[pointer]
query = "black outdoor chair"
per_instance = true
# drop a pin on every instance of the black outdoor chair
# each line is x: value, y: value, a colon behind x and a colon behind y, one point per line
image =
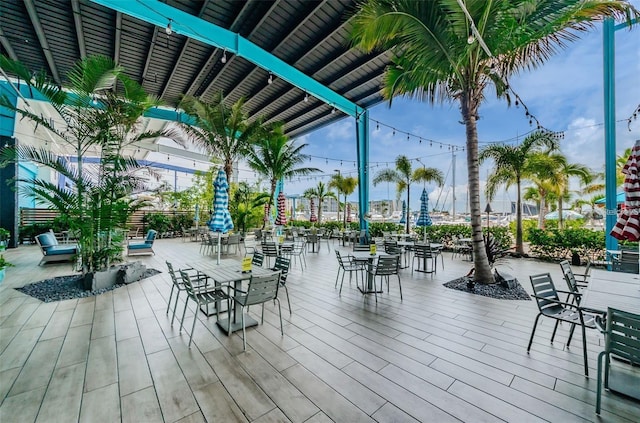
x: 198, y: 279
x: 549, y: 305
x: 269, y: 249
x: 385, y: 267
x: 203, y: 296
x: 622, y: 339
x: 257, y: 259
x: 282, y: 265
x: 261, y: 289
x: 347, y: 264
x: 424, y: 254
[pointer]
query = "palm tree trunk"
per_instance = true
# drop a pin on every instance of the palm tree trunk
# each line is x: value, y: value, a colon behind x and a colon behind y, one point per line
x: 519, y: 244
x: 481, y: 262
x: 560, y: 219
x: 542, y: 211
x: 408, y: 202
x: 319, y: 210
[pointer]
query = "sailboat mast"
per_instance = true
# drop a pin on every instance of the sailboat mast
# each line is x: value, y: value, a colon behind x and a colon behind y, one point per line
x: 453, y: 174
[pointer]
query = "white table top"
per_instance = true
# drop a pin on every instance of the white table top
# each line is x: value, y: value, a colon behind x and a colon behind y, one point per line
x: 612, y: 289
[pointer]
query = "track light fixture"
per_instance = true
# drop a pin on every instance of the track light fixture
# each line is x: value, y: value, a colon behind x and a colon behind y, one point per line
x: 270, y: 80
x: 169, y: 29
x: 224, y: 56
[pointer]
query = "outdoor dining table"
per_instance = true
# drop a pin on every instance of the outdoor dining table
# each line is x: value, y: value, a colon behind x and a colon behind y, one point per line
x: 620, y: 291
x: 369, y: 258
x: 225, y: 273
x: 612, y: 289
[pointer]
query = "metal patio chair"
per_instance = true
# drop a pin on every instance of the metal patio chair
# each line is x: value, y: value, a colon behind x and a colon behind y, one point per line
x: 622, y: 339
x: 261, y: 289
x: 549, y: 305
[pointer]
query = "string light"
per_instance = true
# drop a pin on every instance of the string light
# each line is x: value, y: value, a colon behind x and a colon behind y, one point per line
x: 224, y: 56
x: 306, y: 97
x: 169, y: 29
x: 270, y: 80
x: 333, y: 111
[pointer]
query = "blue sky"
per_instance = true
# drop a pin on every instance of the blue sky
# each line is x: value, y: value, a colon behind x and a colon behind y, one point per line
x: 565, y: 94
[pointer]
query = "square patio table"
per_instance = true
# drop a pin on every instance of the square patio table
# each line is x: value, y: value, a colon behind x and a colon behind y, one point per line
x: 369, y: 258
x: 227, y: 272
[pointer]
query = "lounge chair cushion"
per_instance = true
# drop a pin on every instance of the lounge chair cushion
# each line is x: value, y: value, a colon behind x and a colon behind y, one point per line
x: 56, y: 250
x: 140, y: 246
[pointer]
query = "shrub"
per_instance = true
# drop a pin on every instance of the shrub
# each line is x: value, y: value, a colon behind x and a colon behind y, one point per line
x: 555, y: 244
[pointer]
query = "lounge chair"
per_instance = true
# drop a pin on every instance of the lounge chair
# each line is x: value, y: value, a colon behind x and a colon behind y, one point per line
x: 142, y: 247
x: 52, y: 251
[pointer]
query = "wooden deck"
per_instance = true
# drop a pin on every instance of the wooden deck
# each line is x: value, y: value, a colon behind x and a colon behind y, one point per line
x: 440, y: 355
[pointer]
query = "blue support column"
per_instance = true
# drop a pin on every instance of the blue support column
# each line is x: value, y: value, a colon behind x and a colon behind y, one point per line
x: 8, y: 174
x: 362, y: 128
x: 610, y: 131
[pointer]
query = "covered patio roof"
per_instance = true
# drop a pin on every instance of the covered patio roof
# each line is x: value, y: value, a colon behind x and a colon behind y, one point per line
x: 303, y: 46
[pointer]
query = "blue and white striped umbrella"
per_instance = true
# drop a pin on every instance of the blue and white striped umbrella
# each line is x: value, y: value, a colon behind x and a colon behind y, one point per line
x: 403, y: 219
x: 424, y: 219
x: 221, y: 219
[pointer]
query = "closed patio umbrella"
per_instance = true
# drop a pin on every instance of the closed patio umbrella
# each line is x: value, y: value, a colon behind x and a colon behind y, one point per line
x: 281, y: 218
x: 403, y: 219
x: 221, y: 218
x: 313, y: 218
x: 266, y: 212
x: 424, y: 219
x: 348, y: 213
x: 628, y: 225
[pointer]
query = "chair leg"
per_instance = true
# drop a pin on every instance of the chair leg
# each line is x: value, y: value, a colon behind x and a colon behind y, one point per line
x: 244, y: 333
x: 286, y: 291
x: 280, y: 313
x: 173, y: 286
x: 573, y: 327
x: 337, y: 276
x: 184, y: 312
x: 599, y: 386
x: 533, y: 332
x: 555, y: 328
x: 342, y: 281
x: 193, y: 327
x: 175, y: 306
x: 584, y: 351
x: 400, y: 285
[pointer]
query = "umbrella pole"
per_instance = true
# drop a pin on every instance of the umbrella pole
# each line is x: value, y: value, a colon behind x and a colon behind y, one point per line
x: 219, y: 242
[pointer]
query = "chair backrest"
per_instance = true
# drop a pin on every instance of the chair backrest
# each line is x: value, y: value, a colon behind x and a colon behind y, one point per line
x: 151, y: 236
x: 359, y: 247
x: 388, y: 265
x: 312, y: 238
x: 422, y: 251
x: 269, y: 249
x: 257, y: 259
x: 622, y: 335
x: 545, y: 294
x: 172, y: 273
x: 282, y: 264
x: 263, y: 288
x: 339, y: 257
x: 569, y: 277
x: 186, y: 280
x: 46, y: 240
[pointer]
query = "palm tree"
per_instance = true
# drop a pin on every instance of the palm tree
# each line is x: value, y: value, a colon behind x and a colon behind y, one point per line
x: 222, y: 131
x: 510, y: 164
x: 320, y: 192
x: 345, y: 185
x: 442, y: 50
x: 565, y: 172
x: 276, y: 158
x: 403, y: 176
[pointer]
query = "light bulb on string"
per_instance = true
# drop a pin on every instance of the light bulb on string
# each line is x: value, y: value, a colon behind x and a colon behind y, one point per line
x: 169, y: 29
x: 270, y: 80
x: 224, y: 56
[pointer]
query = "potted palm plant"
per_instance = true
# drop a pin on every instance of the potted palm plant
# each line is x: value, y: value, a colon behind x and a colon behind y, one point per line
x: 4, y: 238
x: 3, y: 265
